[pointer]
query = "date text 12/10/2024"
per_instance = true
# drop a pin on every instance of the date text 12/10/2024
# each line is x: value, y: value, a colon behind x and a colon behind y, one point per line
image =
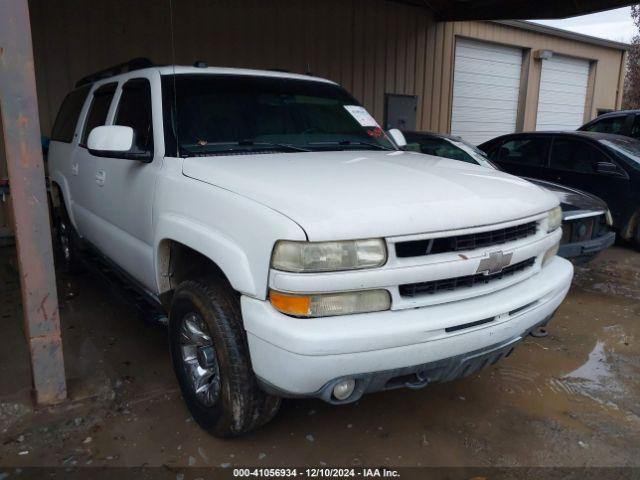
x: 315, y: 473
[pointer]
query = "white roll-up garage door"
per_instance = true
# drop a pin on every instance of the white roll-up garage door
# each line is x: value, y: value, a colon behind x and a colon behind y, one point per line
x: 563, y: 93
x: 486, y: 87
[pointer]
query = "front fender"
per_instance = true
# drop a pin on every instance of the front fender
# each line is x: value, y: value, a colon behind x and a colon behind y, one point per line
x: 234, y: 232
x: 211, y: 243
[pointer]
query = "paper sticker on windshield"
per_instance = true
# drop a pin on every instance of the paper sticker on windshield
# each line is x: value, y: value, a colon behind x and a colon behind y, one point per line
x: 361, y: 115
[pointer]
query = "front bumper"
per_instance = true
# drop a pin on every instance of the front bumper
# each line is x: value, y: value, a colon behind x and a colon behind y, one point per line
x: 306, y: 357
x: 588, y: 248
x: 417, y: 376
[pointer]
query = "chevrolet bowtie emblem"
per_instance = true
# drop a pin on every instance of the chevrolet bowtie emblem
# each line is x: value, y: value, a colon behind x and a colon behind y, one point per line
x: 495, y: 263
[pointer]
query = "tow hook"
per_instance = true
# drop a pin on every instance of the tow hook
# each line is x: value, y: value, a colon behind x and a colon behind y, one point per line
x: 539, y: 332
x: 421, y: 381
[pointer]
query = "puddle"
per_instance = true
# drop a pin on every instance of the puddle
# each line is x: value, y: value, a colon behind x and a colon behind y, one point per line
x: 618, y: 275
x: 595, y: 379
x: 519, y: 380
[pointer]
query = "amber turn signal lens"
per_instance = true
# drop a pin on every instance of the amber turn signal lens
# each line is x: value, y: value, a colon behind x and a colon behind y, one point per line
x: 330, y: 304
x: 291, y: 304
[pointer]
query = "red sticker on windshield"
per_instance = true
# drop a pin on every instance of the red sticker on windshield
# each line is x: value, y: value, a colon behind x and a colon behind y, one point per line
x: 375, y: 132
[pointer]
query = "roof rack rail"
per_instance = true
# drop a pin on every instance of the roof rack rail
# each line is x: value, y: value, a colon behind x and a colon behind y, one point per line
x: 133, y: 64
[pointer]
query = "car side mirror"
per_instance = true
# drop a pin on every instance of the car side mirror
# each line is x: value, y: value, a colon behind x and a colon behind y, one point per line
x: 110, y: 139
x: 398, y: 137
x: 607, y: 168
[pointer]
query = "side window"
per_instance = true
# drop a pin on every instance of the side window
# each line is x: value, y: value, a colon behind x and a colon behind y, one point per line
x: 635, y: 129
x: 67, y: 118
x: 608, y: 125
x: 99, y: 109
x: 575, y: 156
x: 525, y: 151
x: 134, y: 111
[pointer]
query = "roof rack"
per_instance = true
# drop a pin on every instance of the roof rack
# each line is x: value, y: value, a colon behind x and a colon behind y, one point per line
x: 133, y: 64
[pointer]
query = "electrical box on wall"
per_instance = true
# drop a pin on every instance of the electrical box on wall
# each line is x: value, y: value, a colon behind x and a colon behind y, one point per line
x: 400, y: 111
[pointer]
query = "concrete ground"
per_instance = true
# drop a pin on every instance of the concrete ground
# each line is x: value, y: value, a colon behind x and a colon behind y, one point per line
x: 570, y: 399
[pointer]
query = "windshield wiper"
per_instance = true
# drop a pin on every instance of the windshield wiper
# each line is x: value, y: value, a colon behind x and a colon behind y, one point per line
x: 285, y: 146
x: 348, y: 143
x: 230, y: 147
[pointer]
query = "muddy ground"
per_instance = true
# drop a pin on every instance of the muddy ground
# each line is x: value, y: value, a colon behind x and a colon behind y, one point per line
x: 570, y: 399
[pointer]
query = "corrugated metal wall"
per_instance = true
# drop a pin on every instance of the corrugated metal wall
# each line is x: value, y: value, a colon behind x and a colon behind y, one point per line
x: 372, y: 47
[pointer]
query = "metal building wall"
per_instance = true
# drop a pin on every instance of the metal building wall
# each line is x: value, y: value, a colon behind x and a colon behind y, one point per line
x: 372, y: 47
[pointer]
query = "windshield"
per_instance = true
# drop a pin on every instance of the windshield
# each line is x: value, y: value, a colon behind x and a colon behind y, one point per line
x: 448, y: 147
x: 628, y: 147
x: 234, y: 114
x: 477, y: 155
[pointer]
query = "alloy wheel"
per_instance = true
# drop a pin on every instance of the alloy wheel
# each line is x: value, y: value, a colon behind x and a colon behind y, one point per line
x: 199, y: 359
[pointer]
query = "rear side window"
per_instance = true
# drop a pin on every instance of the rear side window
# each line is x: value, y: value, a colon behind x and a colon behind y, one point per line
x: 608, y: 125
x: 67, y: 119
x: 575, y: 156
x: 525, y: 151
x: 99, y: 109
x: 134, y: 111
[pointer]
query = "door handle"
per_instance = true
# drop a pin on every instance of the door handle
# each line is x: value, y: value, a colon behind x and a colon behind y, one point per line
x: 74, y: 169
x: 101, y: 176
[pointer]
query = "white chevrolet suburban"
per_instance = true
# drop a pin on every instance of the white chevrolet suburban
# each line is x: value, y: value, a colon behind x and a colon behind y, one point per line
x: 297, y: 251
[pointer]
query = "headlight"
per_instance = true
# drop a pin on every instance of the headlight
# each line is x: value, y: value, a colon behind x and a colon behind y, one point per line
x: 609, y: 218
x: 328, y: 256
x: 330, y: 304
x: 552, y: 252
x: 554, y: 219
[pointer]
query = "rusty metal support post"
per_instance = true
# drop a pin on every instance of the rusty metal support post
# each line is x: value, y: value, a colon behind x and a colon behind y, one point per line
x: 19, y: 108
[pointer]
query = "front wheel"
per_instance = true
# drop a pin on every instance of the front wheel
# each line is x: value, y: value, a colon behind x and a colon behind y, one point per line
x: 211, y: 359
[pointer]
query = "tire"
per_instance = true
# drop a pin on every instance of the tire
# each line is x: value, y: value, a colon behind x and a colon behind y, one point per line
x: 67, y: 253
x: 210, y: 356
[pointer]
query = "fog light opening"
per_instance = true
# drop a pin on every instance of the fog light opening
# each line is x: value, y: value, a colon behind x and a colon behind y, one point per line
x: 344, y: 389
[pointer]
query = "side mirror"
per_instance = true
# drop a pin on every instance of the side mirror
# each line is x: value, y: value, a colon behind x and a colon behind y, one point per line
x: 109, y: 140
x: 607, y: 168
x: 398, y: 137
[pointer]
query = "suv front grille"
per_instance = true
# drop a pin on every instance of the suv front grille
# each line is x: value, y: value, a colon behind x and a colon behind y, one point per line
x: 468, y: 281
x: 416, y: 248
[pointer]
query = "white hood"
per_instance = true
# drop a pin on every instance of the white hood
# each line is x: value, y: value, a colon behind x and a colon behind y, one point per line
x: 358, y: 194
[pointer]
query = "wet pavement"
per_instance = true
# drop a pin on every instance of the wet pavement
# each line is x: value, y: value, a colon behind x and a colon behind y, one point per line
x: 569, y: 399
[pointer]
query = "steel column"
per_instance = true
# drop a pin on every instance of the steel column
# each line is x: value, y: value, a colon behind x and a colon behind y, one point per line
x: 19, y: 108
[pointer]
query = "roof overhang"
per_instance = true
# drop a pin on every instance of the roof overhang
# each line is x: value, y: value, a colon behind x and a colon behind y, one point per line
x: 452, y: 10
x: 558, y: 32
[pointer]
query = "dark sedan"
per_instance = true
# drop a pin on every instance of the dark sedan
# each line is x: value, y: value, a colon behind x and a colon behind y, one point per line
x: 621, y: 122
x: 599, y: 163
x: 586, y: 230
